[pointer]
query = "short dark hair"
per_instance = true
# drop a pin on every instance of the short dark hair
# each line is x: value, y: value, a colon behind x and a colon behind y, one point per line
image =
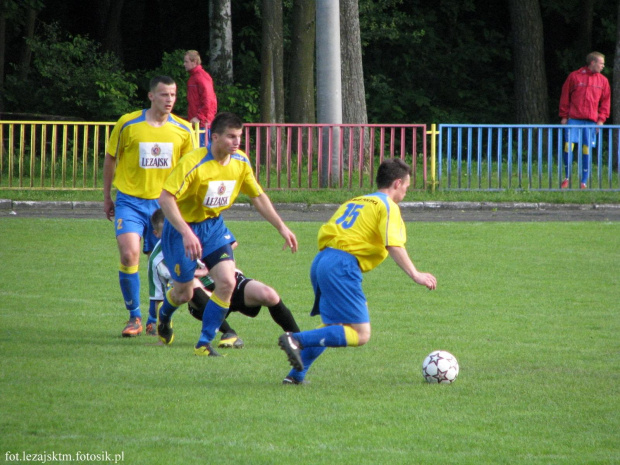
x: 390, y: 170
x: 225, y: 120
x: 167, y: 80
x: 157, y: 218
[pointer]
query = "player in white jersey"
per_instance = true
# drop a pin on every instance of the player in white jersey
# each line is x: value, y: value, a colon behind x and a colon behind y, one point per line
x: 248, y: 296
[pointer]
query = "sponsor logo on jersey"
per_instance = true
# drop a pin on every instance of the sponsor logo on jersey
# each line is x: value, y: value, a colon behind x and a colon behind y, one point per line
x: 219, y: 194
x: 156, y: 155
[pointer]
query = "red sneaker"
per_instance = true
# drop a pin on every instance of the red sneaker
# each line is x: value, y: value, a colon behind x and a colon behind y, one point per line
x: 133, y: 327
x: 564, y: 184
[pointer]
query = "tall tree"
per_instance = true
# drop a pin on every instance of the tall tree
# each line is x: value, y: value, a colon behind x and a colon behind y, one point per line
x: 585, y: 27
x: 301, y: 107
x: 220, y: 42
x: 531, y: 98
x: 26, y: 54
x: 353, y: 92
x: 108, y: 14
x: 616, y: 81
x: 272, y: 63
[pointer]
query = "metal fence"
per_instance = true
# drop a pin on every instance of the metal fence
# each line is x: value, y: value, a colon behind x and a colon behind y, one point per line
x: 490, y: 157
x: 70, y: 155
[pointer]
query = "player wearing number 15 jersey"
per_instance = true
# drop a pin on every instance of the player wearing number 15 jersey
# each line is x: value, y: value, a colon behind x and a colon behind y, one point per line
x: 360, y: 235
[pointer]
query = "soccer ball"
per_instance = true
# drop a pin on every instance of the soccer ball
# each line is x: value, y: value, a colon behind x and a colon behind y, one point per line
x: 440, y: 367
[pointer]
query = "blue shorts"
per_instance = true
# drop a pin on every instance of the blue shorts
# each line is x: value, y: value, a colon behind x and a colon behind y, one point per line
x: 212, y: 233
x: 585, y: 136
x: 337, y: 282
x: 133, y: 215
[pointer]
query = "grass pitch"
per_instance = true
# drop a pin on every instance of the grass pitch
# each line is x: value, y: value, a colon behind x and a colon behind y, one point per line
x: 529, y: 309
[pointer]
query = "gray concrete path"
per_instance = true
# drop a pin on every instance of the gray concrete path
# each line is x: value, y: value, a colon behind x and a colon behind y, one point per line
x: 412, y: 211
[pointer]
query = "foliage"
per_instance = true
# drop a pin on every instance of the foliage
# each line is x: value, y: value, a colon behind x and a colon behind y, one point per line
x: 240, y: 99
x: 445, y: 62
x: 237, y: 98
x: 71, y: 76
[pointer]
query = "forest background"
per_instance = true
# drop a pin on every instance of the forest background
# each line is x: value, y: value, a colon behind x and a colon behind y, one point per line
x: 413, y: 61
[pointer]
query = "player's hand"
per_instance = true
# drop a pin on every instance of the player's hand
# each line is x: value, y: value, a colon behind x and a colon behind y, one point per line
x: 290, y: 240
x: 192, y: 246
x: 108, y: 209
x: 427, y: 280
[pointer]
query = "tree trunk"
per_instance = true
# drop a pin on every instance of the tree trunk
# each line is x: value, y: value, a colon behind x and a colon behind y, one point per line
x: 109, y: 31
x: 220, y: 42
x: 301, y: 83
x: 24, y: 62
x: 353, y: 92
x: 585, y: 28
x: 2, y: 53
x: 272, y: 64
x: 531, y: 97
x: 616, y: 83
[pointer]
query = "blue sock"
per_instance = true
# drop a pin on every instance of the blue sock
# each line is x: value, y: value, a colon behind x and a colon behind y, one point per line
x: 130, y: 288
x: 308, y: 356
x: 327, y: 336
x: 167, y: 308
x: 215, y: 312
x: 566, y: 164
x: 152, y: 312
x: 585, y: 168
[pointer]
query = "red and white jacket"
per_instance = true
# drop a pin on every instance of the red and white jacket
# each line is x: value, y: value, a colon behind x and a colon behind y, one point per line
x: 201, y: 99
x: 586, y: 96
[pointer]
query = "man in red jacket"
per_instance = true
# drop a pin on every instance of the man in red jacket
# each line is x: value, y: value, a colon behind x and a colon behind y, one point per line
x: 585, y: 100
x: 201, y: 99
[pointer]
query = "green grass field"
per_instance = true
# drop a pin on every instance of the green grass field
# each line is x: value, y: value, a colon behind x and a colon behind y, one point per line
x: 531, y: 311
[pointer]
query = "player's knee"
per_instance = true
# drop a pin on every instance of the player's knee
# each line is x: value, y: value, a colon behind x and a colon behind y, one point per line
x: 224, y: 287
x: 363, y: 336
x: 129, y: 257
x: 268, y: 296
x: 182, y: 295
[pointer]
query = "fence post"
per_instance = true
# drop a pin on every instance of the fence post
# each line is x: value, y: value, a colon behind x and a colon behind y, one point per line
x: 433, y: 133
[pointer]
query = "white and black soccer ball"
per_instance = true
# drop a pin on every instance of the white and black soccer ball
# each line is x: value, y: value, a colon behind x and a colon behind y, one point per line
x: 440, y: 367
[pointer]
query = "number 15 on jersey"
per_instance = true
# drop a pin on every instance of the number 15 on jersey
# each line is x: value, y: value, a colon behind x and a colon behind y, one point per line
x: 349, y: 216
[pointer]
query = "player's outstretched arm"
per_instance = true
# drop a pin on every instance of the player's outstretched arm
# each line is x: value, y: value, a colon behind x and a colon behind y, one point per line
x: 263, y: 204
x: 401, y: 257
x: 168, y: 204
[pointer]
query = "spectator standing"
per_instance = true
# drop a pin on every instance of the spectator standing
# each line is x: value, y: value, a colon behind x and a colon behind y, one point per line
x: 585, y: 100
x: 201, y: 98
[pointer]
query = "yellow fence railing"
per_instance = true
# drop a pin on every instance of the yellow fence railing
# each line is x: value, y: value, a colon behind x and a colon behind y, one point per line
x: 69, y: 155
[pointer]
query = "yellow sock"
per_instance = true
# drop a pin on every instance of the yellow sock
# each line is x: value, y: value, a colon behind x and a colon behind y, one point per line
x: 351, y: 336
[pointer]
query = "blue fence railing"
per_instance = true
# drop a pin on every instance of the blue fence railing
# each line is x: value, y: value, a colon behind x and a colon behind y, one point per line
x: 488, y: 157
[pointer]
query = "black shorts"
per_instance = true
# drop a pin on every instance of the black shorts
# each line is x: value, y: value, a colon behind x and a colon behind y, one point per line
x: 237, y: 302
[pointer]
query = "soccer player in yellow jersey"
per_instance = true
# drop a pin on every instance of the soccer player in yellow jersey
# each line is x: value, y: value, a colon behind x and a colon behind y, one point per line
x: 360, y: 235
x: 204, y: 183
x: 143, y: 148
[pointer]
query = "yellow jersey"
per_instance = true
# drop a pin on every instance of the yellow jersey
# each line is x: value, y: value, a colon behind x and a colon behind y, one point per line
x: 146, y: 154
x: 364, y: 227
x: 204, y: 188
